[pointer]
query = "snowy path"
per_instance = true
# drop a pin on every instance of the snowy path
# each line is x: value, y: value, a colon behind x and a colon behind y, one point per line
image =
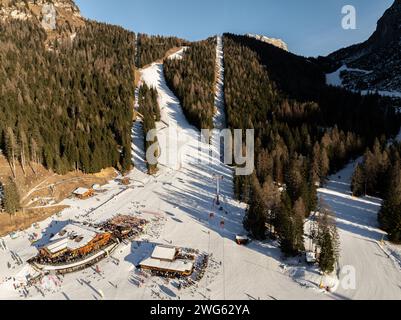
x: 138, y: 139
x: 138, y: 147
x: 219, y: 119
x: 377, y: 277
x: 179, y: 54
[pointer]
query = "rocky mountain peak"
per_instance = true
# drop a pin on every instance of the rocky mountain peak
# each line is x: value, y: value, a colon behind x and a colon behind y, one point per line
x: 273, y: 41
x: 51, y: 14
x: 374, y: 65
x: 388, y: 27
x: 59, y: 18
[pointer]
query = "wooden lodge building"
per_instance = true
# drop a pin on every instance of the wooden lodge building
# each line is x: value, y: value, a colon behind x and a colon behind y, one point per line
x: 74, y: 241
x: 164, y: 260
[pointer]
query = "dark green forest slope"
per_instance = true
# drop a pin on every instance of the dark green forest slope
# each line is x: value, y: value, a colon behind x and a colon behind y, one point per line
x: 304, y: 131
x: 379, y: 174
x: 192, y: 80
x: 71, y: 107
x: 152, y: 48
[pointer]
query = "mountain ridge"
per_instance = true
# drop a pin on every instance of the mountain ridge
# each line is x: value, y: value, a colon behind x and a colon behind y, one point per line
x: 273, y: 41
x: 375, y: 64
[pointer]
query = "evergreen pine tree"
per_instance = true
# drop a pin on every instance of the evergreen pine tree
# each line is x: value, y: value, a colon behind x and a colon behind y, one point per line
x: 358, y: 181
x: 290, y: 226
x: 11, y: 200
x: 390, y: 214
x: 328, y: 241
x: 327, y: 255
x: 256, y: 215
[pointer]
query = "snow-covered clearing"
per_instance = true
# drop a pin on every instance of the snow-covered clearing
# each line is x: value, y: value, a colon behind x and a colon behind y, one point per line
x: 391, y: 94
x: 138, y: 140
x: 179, y: 54
x: 377, y: 274
x: 334, y: 79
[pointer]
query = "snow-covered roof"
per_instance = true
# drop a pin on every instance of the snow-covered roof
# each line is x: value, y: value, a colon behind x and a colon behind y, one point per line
x: 164, y: 253
x: 72, y: 237
x: 81, y: 191
x: 176, y: 265
x: 310, y: 257
x: 57, y: 245
x: 242, y: 238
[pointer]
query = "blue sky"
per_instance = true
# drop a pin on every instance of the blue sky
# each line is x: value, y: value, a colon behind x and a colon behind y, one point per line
x: 310, y: 27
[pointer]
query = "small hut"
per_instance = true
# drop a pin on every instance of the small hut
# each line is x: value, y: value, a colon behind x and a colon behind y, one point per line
x: 125, y: 181
x: 242, y: 240
x: 83, y: 193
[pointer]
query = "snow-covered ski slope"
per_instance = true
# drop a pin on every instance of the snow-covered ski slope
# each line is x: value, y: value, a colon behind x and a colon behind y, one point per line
x: 377, y: 275
x: 138, y: 141
x: 177, y: 202
x: 220, y: 118
x: 245, y: 272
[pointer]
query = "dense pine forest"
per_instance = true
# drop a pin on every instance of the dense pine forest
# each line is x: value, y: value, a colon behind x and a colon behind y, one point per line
x: 70, y: 107
x: 192, y: 80
x: 304, y: 131
x: 153, y: 48
x: 379, y: 174
x: 150, y: 110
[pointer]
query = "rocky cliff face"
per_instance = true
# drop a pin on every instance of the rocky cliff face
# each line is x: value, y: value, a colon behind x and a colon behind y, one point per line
x: 51, y: 14
x: 273, y: 41
x: 376, y: 63
x: 59, y: 18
